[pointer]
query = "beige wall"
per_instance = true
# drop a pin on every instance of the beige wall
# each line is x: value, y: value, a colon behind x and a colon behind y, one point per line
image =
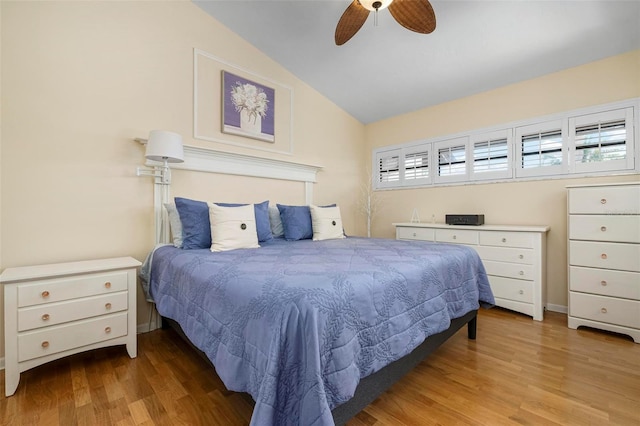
x: 81, y: 80
x: 540, y: 202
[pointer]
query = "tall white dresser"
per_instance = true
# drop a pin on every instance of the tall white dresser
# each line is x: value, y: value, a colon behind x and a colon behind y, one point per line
x: 604, y: 257
x: 52, y: 311
x: 514, y: 257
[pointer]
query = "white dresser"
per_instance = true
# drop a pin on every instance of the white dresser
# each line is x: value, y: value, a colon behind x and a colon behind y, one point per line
x: 52, y: 311
x: 514, y: 257
x: 604, y: 257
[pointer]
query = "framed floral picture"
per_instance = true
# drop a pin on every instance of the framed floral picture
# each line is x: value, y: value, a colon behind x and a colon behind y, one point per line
x: 248, y: 108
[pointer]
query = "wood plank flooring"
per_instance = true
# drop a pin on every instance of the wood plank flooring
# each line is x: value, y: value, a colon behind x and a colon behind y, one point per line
x: 518, y: 371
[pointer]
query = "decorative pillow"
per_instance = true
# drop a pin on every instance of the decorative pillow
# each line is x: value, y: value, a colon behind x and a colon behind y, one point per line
x: 196, y: 229
x: 276, y: 222
x: 326, y: 223
x: 296, y: 222
x: 175, y: 224
x: 232, y: 227
x: 262, y: 218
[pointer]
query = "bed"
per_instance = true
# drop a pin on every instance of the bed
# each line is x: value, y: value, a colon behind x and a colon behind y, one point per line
x: 315, y: 330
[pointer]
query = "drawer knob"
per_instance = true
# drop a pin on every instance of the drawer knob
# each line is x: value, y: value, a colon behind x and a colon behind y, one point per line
x: 603, y: 201
x: 603, y: 283
x: 603, y: 256
x: 45, y: 294
x: 504, y: 240
x: 415, y: 235
x: 454, y: 237
x: 603, y: 310
x: 521, y: 256
x: 107, y: 285
x: 107, y: 330
x: 107, y: 305
x: 521, y: 292
x: 45, y: 344
x: 45, y: 317
x: 521, y: 273
x: 603, y: 228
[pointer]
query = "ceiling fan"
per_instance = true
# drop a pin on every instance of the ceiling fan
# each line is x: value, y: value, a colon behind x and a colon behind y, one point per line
x: 414, y: 15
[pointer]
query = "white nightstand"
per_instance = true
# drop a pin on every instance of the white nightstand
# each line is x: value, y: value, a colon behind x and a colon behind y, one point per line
x: 52, y: 311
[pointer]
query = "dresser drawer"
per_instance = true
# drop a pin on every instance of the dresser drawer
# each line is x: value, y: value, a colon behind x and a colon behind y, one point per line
x: 605, y: 200
x: 506, y: 239
x: 510, y: 270
x: 416, y: 233
x: 60, y: 312
x: 624, y: 229
x: 55, y: 290
x: 500, y: 254
x: 605, y: 309
x: 458, y: 236
x: 620, y: 256
x: 50, y: 340
x: 605, y: 282
x: 508, y: 288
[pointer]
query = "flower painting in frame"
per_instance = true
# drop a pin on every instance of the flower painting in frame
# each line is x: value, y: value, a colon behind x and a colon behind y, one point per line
x: 248, y: 108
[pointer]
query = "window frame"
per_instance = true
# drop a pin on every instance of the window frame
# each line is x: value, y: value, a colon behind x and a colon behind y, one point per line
x: 565, y: 123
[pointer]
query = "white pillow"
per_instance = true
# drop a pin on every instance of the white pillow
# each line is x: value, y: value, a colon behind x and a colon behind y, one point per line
x: 276, y: 222
x: 326, y: 223
x: 232, y: 227
x: 175, y: 224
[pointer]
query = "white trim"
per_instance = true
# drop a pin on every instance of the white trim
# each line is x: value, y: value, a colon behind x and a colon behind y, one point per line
x: 557, y: 308
x: 214, y: 161
x: 197, y: 135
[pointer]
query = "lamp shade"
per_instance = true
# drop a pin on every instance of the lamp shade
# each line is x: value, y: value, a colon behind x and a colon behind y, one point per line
x: 164, y: 146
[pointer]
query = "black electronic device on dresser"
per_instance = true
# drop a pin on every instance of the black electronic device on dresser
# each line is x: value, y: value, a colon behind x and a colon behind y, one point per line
x: 464, y: 219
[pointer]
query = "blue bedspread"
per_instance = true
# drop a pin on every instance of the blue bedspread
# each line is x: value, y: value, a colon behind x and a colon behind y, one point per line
x: 297, y: 324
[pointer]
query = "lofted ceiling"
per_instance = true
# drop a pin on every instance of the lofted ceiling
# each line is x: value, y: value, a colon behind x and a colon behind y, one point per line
x: 478, y: 45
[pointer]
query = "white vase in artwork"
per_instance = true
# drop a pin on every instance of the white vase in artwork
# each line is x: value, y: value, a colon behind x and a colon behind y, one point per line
x: 250, y: 123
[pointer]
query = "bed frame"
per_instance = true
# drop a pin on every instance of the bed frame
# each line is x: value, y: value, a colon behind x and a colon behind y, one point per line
x: 377, y: 383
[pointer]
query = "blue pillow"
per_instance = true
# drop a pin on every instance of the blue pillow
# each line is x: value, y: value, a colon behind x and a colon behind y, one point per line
x: 262, y: 219
x: 196, y: 229
x: 296, y: 222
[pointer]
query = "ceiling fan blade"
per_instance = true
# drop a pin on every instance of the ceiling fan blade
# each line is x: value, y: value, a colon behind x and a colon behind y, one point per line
x: 414, y: 15
x: 351, y: 21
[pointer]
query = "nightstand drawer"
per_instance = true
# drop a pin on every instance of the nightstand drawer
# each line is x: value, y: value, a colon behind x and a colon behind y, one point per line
x: 606, y: 200
x: 624, y: 257
x: 60, y: 312
x: 458, y: 236
x: 50, y: 340
x: 623, y: 229
x: 55, y: 290
x: 506, y: 239
x: 508, y: 288
x: 605, y: 309
x: 509, y: 270
x: 503, y: 254
x: 605, y: 282
x: 416, y: 233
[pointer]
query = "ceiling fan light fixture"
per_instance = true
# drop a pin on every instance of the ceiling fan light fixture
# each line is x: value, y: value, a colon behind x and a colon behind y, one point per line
x: 371, y: 4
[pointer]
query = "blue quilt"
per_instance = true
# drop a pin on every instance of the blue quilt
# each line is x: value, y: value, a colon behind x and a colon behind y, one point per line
x: 296, y: 324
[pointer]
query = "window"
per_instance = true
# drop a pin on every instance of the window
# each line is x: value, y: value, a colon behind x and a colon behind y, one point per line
x: 601, y: 141
x: 416, y: 166
x: 492, y: 155
x: 541, y: 149
x: 581, y: 142
x: 388, y: 169
x: 452, y: 160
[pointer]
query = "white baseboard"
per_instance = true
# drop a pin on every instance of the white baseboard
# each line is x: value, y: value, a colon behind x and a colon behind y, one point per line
x: 557, y: 308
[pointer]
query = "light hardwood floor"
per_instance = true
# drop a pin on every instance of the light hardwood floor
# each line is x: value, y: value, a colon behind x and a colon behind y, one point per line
x: 518, y: 371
